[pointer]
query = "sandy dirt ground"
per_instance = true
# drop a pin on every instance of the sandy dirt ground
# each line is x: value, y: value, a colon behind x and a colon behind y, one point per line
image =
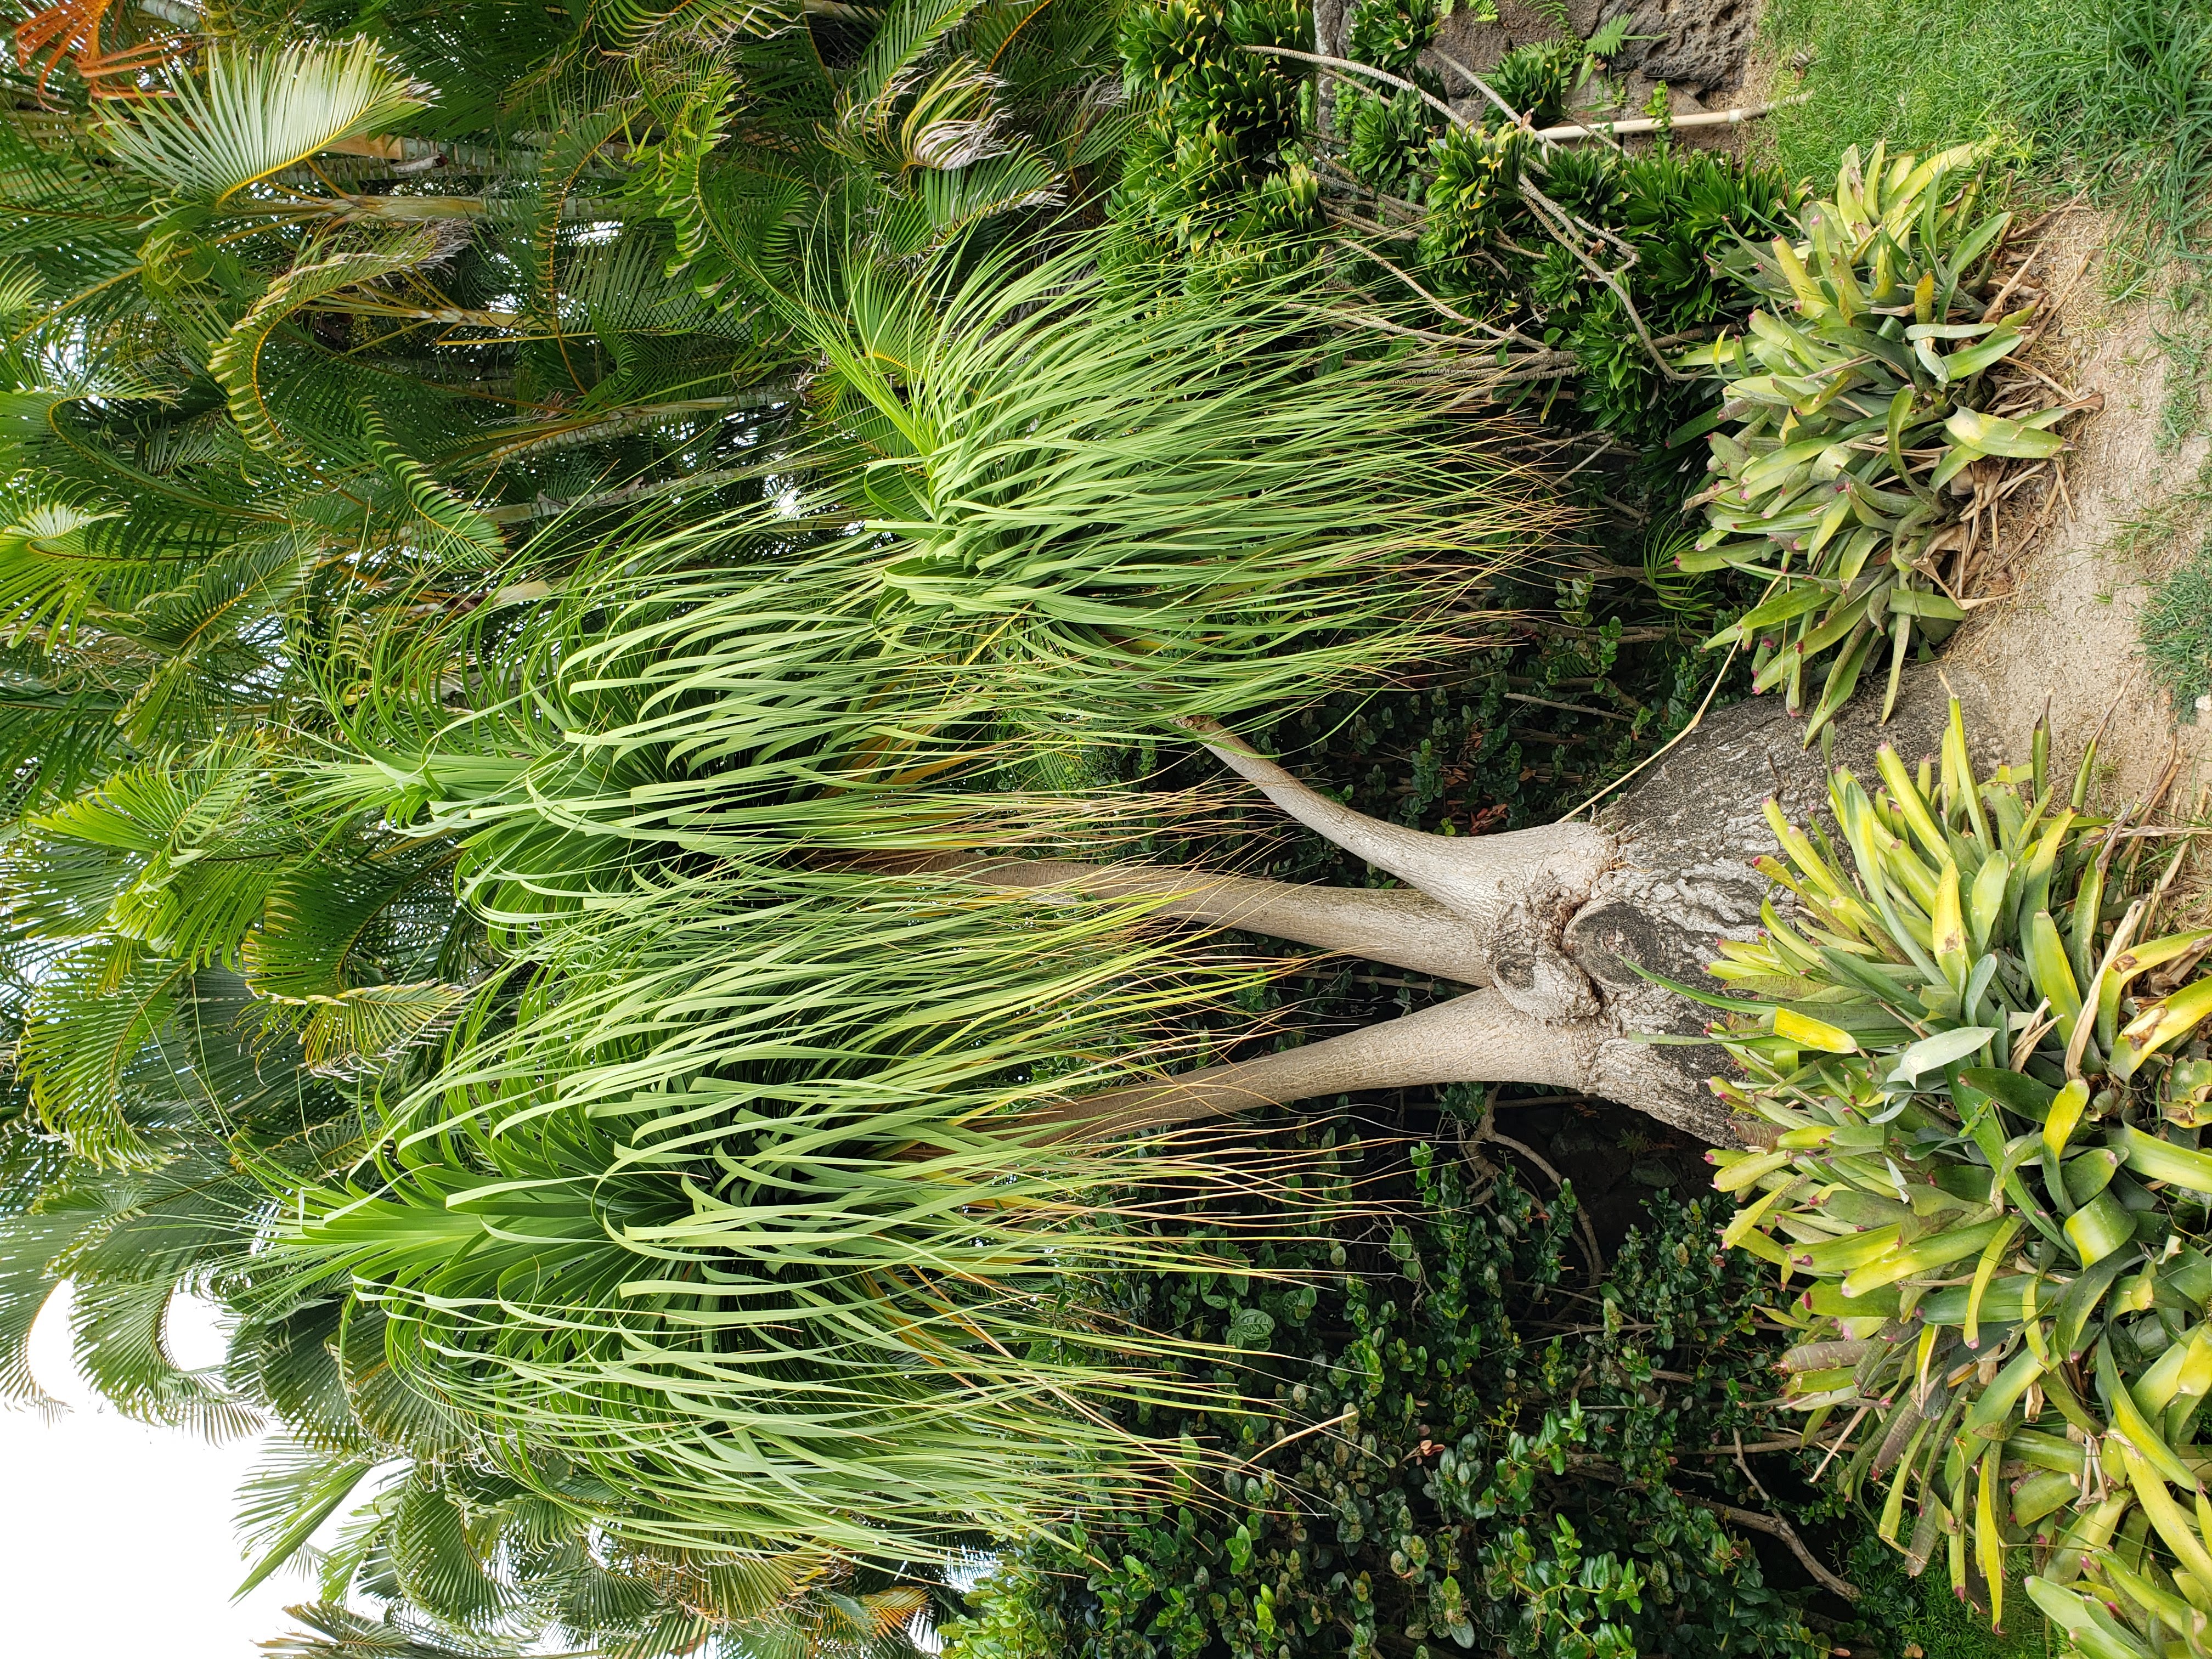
x: 2066, y: 629
x: 2075, y: 573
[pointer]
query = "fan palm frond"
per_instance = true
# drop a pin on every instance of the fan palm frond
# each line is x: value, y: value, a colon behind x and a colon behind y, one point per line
x: 338, y: 1633
x: 294, y: 1487
x: 120, y: 1329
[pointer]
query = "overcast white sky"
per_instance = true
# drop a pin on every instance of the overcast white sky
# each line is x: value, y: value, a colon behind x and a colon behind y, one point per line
x: 108, y: 1526
x: 115, y: 1537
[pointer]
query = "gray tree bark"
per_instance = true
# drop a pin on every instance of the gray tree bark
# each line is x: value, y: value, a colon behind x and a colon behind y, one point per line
x: 1400, y: 925
x: 1545, y: 922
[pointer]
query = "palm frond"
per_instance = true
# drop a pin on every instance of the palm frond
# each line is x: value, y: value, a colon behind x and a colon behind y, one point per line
x: 176, y: 852
x: 88, y: 1022
x: 120, y: 1328
x: 29, y: 1244
x: 196, y: 628
x: 236, y: 361
x: 49, y: 572
x: 294, y: 1487
x: 439, y: 1566
x: 342, y: 1634
x: 910, y: 30
x: 252, y: 114
x: 461, y: 534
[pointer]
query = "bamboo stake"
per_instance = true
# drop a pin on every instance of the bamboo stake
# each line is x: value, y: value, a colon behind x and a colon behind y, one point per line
x: 1717, y: 118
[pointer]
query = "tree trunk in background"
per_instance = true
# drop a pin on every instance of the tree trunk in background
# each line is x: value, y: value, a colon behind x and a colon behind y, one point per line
x: 1332, y: 28
x: 1545, y: 921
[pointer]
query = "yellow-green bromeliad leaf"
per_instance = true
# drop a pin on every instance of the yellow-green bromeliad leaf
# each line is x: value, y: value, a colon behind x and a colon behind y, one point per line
x: 1865, y: 378
x: 1988, y: 1226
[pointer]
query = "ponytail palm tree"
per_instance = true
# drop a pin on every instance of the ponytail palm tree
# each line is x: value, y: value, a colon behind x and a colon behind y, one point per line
x: 732, y: 1188
x: 739, y: 1184
x: 767, y: 1174
x: 627, y: 575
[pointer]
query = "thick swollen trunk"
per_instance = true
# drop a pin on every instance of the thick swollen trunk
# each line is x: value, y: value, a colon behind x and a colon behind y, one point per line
x: 1546, y: 922
x: 1512, y: 893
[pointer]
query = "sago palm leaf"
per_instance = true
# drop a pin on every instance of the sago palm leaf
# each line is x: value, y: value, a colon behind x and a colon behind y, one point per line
x: 251, y: 114
x: 175, y: 857
x: 88, y: 1023
x: 440, y: 1564
x: 29, y: 1243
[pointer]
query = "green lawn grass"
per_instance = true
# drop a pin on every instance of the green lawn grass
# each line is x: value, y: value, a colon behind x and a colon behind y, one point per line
x: 2110, y: 95
x: 1925, y: 1613
x: 1920, y: 73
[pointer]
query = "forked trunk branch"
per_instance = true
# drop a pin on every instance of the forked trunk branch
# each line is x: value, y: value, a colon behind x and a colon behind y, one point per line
x: 1482, y: 878
x: 1564, y: 917
x: 1516, y: 891
x: 1477, y: 1038
x: 1398, y: 926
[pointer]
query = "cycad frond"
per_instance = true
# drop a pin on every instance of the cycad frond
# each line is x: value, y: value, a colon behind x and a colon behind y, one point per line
x: 49, y: 570
x: 284, y: 1362
x: 251, y: 114
x: 200, y: 630
x: 462, y: 535
x: 910, y: 31
x: 388, y: 1409
x: 29, y: 1244
x: 178, y: 852
x: 637, y: 20
x: 236, y: 361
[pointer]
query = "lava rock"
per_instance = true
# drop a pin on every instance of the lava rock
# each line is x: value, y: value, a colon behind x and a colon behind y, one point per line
x: 1697, y: 46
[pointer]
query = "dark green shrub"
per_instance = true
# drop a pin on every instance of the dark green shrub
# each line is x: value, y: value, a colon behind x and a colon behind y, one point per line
x: 1473, y: 187
x: 1391, y: 33
x: 1897, y: 1612
x: 1223, y: 122
x: 1679, y: 212
x: 1449, y: 1448
x: 1217, y: 117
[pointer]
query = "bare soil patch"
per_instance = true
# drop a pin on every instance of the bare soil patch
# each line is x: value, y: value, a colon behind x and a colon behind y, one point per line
x: 2130, y: 511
